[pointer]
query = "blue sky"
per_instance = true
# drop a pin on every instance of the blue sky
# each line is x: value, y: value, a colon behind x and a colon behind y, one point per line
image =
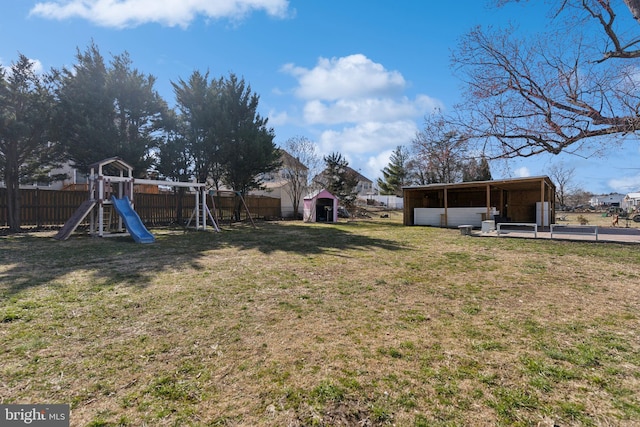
x: 355, y: 76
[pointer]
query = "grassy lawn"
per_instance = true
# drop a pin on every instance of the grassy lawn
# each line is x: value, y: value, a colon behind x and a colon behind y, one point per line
x: 357, y: 323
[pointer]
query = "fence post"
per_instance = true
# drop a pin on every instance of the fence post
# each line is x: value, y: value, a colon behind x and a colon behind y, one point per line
x: 37, y: 208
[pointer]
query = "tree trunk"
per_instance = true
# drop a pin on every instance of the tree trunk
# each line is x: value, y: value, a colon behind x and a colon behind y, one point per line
x: 13, y: 197
x: 237, y: 207
x: 179, y: 194
x: 296, y: 206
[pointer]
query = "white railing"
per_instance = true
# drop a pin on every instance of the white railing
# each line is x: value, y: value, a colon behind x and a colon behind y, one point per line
x: 582, y: 230
x: 517, y: 227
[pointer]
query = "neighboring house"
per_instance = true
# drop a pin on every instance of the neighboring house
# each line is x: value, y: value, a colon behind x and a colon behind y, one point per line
x: 278, y: 184
x: 74, y: 180
x: 77, y: 181
x: 631, y: 201
x: 364, y: 187
x: 606, y: 200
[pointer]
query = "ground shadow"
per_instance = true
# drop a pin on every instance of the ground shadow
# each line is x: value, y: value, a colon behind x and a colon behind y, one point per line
x: 35, y: 259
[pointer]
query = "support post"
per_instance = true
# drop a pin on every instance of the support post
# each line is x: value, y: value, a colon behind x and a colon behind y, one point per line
x: 203, y: 196
x: 488, y: 215
x: 197, y: 210
x: 100, y: 206
x: 446, y: 206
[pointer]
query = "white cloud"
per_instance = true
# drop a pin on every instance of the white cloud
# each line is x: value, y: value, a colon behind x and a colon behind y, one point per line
x: 353, y: 76
x: 360, y: 108
x: 278, y: 118
x: 522, y: 172
x: 625, y: 184
x: 130, y: 13
x: 370, y: 137
x: 376, y: 163
x: 37, y: 66
x: 367, y: 109
x: 354, y: 89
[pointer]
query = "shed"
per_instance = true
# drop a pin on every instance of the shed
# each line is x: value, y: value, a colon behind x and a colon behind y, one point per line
x: 321, y: 206
x: 522, y: 200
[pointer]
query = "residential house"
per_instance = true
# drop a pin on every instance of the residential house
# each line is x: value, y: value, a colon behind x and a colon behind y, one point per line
x: 278, y: 184
x: 631, y: 201
x: 607, y: 200
x: 364, y: 187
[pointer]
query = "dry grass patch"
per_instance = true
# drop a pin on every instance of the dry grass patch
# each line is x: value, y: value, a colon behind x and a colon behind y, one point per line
x: 358, y: 323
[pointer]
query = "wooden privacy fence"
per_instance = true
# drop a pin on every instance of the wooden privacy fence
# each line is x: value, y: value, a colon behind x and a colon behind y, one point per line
x: 52, y: 208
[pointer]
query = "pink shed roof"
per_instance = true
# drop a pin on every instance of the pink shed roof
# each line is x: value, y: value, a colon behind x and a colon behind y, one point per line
x: 321, y: 194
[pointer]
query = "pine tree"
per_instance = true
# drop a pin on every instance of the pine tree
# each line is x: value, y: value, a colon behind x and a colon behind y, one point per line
x: 107, y: 110
x: 25, y: 118
x: 474, y: 171
x: 485, y: 172
x: 339, y: 179
x: 395, y: 174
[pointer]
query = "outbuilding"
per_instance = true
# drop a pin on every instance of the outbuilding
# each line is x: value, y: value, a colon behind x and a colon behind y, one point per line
x: 518, y: 200
x: 321, y: 206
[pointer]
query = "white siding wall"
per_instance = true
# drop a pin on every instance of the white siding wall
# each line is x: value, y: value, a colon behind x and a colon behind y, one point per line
x: 427, y: 216
x: 455, y: 216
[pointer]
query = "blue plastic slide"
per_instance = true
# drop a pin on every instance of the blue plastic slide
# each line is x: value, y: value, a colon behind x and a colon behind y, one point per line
x: 132, y: 221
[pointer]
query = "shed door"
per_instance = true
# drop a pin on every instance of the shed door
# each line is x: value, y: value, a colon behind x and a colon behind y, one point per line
x: 324, y: 210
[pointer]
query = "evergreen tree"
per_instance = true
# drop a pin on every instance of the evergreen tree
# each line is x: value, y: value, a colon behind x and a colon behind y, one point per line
x: 107, y: 111
x: 174, y: 159
x: 139, y: 110
x: 26, y: 153
x: 228, y: 141
x: 197, y: 102
x: 476, y: 171
x: 395, y: 174
x: 339, y: 179
x: 485, y: 171
x: 247, y: 147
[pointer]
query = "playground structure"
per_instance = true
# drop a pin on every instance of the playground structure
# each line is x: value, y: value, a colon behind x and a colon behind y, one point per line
x: 109, y: 193
x: 219, y: 193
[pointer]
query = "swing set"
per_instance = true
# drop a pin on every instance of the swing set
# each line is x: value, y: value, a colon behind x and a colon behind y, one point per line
x: 111, y: 189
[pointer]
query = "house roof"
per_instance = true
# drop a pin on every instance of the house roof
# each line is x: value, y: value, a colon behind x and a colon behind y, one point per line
x: 359, y: 176
x: 292, y: 162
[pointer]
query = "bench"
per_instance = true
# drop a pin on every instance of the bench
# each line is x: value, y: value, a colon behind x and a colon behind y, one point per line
x: 465, y: 230
x: 582, y: 230
x: 520, y: 227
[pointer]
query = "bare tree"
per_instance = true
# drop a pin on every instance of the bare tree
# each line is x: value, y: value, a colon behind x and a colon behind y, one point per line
x: 299, y: 162
x: 440, y: 151
x: 562, y: 176
x: 578, y: 197
x: 566, y: 90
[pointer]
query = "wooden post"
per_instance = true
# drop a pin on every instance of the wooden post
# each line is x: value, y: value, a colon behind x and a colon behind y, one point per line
x: 542, y: 209
x: 446, y: 206
x: 488, y: 216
